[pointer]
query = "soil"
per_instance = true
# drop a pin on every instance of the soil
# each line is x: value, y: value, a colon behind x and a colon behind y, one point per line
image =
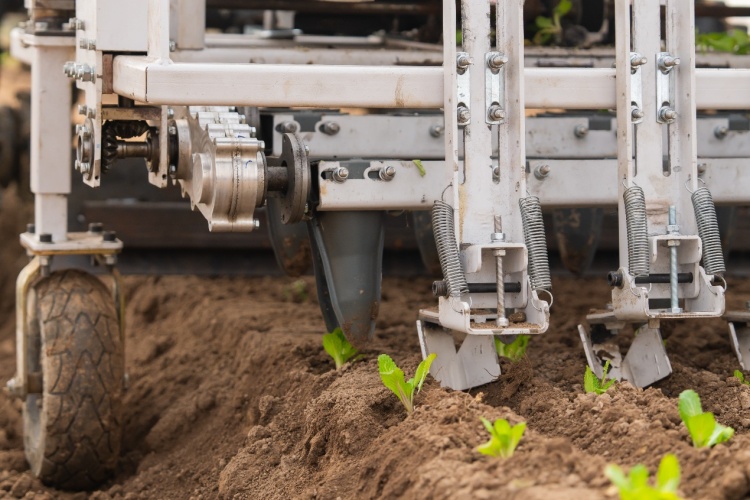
x: 231, y: 396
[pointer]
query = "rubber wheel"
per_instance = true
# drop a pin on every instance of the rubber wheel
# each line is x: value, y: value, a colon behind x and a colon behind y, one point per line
x: 73, y: 428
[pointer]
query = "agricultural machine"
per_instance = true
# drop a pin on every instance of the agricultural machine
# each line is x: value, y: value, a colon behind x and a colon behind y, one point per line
x: 326, y: 134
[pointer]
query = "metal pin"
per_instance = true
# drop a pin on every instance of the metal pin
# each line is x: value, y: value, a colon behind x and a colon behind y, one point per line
x: 499, y: 253
x: 673, y: 278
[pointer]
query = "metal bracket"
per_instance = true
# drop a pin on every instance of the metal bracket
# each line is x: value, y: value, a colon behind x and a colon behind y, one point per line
x: 494, y: 74
x: 463, y: 84
x: 739, y: 334
x: 665, y: 87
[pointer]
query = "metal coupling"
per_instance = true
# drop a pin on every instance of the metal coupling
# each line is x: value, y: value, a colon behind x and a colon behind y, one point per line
x: 330, y: 128
x: 667, y: 114
x: 667, y: 63
x: 340, y: 174
x: 464, y: 115
x: 542, y: 171
x: 581, y: 131
x: 387, y: 173
x: 496, y: 113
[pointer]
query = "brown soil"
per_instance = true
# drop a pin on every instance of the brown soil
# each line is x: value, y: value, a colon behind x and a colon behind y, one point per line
x: 232, y: 396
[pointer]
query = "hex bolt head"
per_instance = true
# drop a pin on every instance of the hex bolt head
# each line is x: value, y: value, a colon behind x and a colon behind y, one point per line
x: 330, y: 128
x: 287, y: 127
x: 581, y: 131
x: 96, y: 227
x: 75, y: 23
x: 85, y: 167
x: 667, y: 114
x: 637, y: 113
x: 45, y: 238
x: 30, y: 228
x: 542, y: 171
x: 109, y: 236
x: 340, y: 174
x: 496, y: 113
x: 83, y: 109
x: 170, y: 113
x: 497, y: 237
x: 497, y: 61
x: 463, y: 61
x: 387, y: 173
x: 172, y: 130
x: 69, y: 69
x: 464, y: 115
x: 721, y: 131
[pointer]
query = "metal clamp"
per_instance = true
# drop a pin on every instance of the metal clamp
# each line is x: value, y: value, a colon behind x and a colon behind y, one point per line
x: 463, y: 82
x: 494, y: 74
x: 636, y: 87
x: 665, y: 87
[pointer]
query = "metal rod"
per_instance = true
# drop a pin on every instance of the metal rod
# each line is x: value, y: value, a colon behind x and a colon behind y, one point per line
x: 329, y: 8
x: 440, y: 288
x: 673, y: 277
x: 499, y: 253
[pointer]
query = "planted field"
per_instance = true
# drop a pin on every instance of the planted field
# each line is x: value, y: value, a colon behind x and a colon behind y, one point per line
x: 231, y: 395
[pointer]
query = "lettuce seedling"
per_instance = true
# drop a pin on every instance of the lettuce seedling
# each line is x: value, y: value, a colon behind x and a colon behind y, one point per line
x: 393, y: 378
x: 703, y: 428
x: 592, y: 383
x: 514, y: 351
x: 549, y: 29
x: 503, y: 438
x: 741, y: 376
x: 635, y: 485
x: 338, y: 347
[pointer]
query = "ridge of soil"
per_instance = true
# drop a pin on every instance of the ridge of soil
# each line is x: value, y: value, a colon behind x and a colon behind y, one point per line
x: 232, y: 396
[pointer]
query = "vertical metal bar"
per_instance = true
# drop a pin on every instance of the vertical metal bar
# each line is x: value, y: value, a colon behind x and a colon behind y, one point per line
x: 673, y: 279
x: 158, y: 30
x: 50, y: 139
x: 625, y: 163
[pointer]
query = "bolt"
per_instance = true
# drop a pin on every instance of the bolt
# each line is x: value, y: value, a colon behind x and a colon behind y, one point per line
x: 496, y: 171
x: 702, y: 167
x: 581, y: 131
x: 83, y: 109
x: 172, y: 170
x: 76, y: 23
x: 666, y: 63
x: 172, y: 130
x: 96, y: 227
x: 637, y: 60
x: 463, y: 61
x: 85, y: 73
x: 109, y: 236
x: 172, y: 45
x: 41, y: 26
x: 387, y: 173
x: 636, y: 113
x: 87, y: 44
x: 170, y: 113
x: 85, y: 167
x: 340, y: 174
x: 83, y: 131
x: 667, y: 114
x: 69, y: 69
x: 330, y: 128
x: 307, y: 149
x: 542, y: 171
x: 30, y: 228
x: 287, y: 127
x: 496, y: 113
x: 242, y: 118
x: 496, y: 61
x: 90, y: 113
x: 437, y: 130
x: 497, y: 237
x: 45, y: 238
x: 464, y: 115
x: 721, y: 131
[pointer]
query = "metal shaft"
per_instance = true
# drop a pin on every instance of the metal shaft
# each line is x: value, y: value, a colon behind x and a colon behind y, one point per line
x: 501, y: 320
x: 673, y: 275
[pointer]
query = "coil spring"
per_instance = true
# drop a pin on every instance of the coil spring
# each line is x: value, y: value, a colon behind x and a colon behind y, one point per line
x: 447, y: 247
x: 708, y: 230
x: 639, y: 259
x: 536, y: 242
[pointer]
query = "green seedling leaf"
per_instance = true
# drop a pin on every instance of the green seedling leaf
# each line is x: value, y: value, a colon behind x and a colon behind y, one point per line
x: 543, y: 22
x: 336, y: 345
x: 592, y: 383
x: 563, y: 7
x: 704, y: 431
x: 420, y: 167
x: 635, y: 486
x: 503, y: 438
x: 514, y: 351
x: 393, y: 378
x: 741, y: 377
